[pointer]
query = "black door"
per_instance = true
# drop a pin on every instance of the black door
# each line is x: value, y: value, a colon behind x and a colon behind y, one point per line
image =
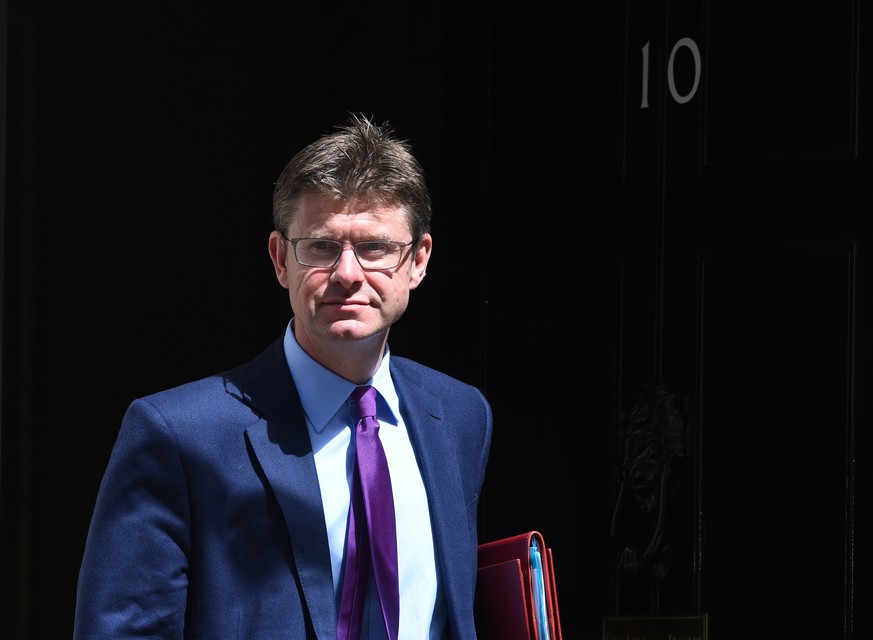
x: 675, y: 245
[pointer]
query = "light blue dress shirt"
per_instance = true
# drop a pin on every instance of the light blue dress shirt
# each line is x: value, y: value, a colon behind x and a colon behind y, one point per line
x: 324, y: 396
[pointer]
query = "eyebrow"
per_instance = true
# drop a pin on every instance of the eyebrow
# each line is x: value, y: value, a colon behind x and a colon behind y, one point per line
x: 381, y: 237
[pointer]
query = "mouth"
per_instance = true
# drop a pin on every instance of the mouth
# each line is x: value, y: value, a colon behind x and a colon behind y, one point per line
x: 346, y: 303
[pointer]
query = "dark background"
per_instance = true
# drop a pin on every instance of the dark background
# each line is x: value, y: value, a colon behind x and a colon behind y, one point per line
x: 660, y: 261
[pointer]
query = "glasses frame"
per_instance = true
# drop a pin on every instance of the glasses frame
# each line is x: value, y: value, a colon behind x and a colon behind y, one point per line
x: 400, y: 245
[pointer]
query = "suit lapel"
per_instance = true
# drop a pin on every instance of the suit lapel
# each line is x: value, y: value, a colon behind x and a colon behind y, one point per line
x: 423, y: 414
x: 281, y: 444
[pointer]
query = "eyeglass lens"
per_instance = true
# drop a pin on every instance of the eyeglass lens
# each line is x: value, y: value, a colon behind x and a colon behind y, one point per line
x: 371, y: 254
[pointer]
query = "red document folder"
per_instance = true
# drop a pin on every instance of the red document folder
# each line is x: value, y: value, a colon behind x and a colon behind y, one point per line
x: 506, y: 590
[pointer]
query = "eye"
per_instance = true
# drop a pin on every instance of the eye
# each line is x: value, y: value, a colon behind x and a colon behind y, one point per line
x: 322, y: 246
x: 374, y: 248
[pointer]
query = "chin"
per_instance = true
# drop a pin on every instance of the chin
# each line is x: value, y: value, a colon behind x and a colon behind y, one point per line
x: 351, y: 329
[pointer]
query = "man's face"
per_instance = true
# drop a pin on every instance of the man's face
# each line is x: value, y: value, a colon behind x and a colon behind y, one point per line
x: 347, y: 303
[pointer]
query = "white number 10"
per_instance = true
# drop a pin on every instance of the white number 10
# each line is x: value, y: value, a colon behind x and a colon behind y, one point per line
x: 687, y: 43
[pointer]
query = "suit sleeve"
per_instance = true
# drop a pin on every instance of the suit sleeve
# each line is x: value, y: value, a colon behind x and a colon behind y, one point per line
x: 133, y: 579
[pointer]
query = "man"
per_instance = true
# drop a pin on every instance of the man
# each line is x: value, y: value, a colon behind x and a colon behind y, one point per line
x: 224, y: 509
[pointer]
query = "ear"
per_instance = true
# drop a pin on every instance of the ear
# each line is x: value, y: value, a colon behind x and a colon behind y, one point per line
x: 420, y: 259
x: 279, y: 256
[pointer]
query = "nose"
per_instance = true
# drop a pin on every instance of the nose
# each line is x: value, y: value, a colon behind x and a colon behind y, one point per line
x: 347, y: 268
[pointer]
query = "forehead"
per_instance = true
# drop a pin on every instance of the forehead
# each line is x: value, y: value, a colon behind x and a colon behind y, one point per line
x: 314, y: 213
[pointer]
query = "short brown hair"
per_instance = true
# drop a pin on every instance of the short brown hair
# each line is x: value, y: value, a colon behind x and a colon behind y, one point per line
x: 359, y: 160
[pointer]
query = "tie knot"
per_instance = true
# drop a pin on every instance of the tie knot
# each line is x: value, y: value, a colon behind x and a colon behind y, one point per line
x: 365, y: 396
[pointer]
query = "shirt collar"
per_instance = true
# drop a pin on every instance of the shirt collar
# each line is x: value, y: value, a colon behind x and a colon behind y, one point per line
x: 323, y: 393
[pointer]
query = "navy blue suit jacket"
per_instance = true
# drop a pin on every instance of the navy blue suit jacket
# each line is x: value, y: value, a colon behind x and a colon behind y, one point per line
x: 209, y: 521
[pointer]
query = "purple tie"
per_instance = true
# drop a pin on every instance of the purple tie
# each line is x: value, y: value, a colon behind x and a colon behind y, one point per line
x: 371, y: 530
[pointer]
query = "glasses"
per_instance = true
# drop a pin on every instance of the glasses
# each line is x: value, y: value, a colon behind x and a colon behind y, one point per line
x: 324, y: 254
